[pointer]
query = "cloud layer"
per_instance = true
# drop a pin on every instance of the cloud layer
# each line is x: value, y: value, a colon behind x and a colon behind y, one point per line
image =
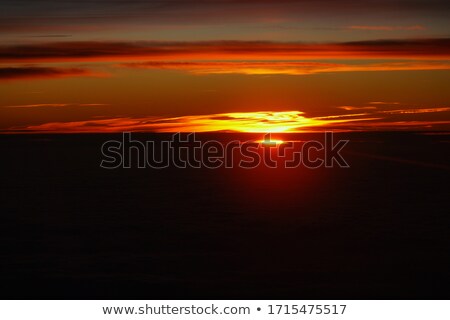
x: 264, y: 121
x: 285, y: 67
x: 52, y: 14
x: 223, y: 50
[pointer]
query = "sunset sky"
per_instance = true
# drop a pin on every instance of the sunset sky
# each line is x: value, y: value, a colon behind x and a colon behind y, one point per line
x: 285, y: 65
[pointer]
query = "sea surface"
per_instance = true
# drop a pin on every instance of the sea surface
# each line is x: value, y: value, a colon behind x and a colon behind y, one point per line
x: 378, y: 230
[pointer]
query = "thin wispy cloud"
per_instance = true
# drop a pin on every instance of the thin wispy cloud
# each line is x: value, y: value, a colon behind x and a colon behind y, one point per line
x: 384, y: 103
x: 352, y: 108
x: 374, y: 110
x: 416, y: 111
x: 54, y: 105
x: 49, y: 36
x: 387, y: 28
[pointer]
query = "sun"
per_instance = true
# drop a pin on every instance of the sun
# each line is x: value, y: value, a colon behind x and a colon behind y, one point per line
x: 270, y: 142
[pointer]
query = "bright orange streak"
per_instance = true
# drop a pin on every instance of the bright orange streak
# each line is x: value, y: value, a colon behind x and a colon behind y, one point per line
x: 263, y: 122
x: 284, y: 67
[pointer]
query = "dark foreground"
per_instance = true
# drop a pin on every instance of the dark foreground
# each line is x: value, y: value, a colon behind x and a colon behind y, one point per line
x: 379, y: 230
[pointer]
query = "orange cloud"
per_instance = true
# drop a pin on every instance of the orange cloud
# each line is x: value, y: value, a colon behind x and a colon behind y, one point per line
x: 393, y: 125
x: 249, y: 68
x: 383, y: 103
x: 284, y: 67
x: 398, y: 111
x: 352, y: 108
x: 415, y: 111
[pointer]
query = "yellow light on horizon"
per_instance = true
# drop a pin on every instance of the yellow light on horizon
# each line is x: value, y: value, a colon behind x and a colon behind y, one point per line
x: 263, y: 122
x: 271, y: 142
x: 248, y: 122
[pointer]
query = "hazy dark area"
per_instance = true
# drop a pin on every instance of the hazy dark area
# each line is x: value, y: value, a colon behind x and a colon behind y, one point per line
x: 378, y: 230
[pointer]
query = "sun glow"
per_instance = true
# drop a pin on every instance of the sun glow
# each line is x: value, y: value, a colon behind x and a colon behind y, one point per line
x: 271, y: 142
x: 263, y: 121
x: 256, y: 122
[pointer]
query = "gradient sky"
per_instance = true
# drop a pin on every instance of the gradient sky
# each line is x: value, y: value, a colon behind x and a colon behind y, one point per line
x: 111, y: 65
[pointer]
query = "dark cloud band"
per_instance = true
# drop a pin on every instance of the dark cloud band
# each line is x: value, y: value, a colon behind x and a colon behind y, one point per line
x: 217, y: 50
x: 17, y: 73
